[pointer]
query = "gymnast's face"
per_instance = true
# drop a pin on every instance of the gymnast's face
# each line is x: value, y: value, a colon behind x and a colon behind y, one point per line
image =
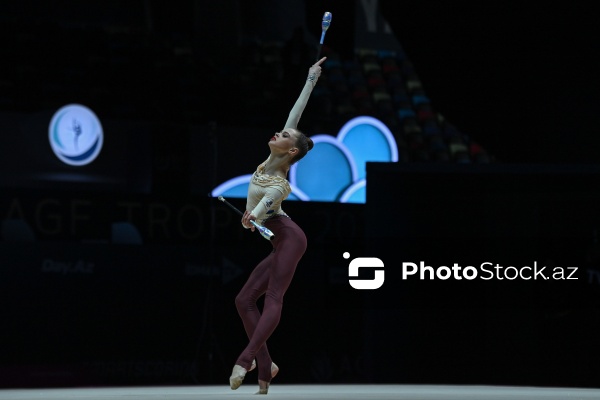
x: 284, y: 141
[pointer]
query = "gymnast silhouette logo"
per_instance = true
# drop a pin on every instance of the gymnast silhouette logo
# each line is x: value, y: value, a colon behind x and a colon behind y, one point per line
x: 77, y: 131
x: 75, y: 135
x: 365, y: 262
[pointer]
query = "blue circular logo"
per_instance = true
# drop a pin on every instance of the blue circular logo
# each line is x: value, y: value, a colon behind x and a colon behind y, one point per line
x: 75, y: 135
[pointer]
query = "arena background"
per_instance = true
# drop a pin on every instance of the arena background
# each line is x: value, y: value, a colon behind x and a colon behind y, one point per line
x: 124, y: 271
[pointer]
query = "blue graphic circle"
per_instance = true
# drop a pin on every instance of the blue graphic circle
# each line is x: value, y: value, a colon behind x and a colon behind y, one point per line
x: 75, y: 135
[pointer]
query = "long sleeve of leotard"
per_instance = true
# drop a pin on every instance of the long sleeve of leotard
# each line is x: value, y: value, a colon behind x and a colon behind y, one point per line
x: 270, y: 203
x: 300, y: 105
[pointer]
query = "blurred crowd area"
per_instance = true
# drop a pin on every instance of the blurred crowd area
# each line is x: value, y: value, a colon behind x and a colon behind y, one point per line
x: 145, y: 60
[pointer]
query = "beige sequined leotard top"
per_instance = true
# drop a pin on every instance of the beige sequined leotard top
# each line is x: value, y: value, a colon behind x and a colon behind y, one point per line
x: 266, y: 193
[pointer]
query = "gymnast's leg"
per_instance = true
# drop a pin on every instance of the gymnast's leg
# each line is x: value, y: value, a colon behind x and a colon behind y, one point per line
x: 248, y: 310
x: 278, y: 269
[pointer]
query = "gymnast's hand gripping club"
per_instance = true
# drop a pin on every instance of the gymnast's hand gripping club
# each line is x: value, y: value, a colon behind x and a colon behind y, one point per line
x: 265, y: 232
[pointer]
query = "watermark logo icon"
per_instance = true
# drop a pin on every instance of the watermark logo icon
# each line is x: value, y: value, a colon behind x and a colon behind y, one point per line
x: 365, y: 262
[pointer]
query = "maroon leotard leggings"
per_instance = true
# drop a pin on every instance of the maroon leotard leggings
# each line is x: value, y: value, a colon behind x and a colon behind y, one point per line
x: 271, y: 277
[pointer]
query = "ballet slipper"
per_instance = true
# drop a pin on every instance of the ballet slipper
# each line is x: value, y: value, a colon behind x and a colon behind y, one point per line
x: 263, y: 386
x: 237, y: 376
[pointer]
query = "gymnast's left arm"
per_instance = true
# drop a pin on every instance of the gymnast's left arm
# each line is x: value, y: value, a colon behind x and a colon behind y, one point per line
x: 313, y: 76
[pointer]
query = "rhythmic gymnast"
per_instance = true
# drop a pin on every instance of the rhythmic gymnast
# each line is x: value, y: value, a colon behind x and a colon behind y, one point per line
x: 272, y: 276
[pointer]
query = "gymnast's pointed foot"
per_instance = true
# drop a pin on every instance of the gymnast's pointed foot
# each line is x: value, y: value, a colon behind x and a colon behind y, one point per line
x: 263, y: 387
x: 237, y: 376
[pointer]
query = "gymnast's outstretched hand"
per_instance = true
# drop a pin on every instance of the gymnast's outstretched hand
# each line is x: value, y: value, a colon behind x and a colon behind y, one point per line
x: 315, y: 69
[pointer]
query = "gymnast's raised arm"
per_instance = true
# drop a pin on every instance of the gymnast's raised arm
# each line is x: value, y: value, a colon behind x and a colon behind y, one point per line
x: 313, y: 75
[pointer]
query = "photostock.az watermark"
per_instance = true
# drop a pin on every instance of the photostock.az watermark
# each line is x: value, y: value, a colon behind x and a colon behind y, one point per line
x: 365, y: 262
x: 486, y: 271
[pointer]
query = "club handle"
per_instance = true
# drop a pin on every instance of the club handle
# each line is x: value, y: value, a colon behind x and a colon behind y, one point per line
x: 264, y: 231
x: 234, y: 208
